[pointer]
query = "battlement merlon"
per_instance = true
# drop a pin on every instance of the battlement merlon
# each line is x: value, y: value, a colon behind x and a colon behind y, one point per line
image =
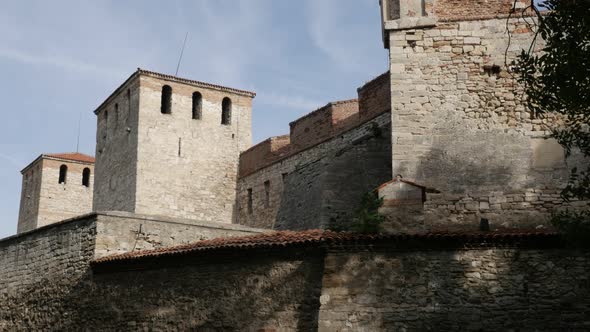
x: 404, y: 14
x: 415, y: 14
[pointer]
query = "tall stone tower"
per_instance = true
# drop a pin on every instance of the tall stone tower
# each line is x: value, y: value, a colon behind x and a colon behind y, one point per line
x: 55, y: 187
x: 459, y: 126
x: 170, y: 146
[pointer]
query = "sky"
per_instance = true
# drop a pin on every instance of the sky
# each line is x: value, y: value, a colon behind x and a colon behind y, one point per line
x: 60, y: 59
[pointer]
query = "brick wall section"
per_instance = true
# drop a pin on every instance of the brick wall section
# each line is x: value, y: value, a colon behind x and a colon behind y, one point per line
x: 45, y: 201
x: 264, y: 153
x: 345, y: 115
x: 322, y: 185
x: 374, y: 97
x: 461, y: 128
x: 323, y: 123
x: 446, y: 290
x: 472, y: 9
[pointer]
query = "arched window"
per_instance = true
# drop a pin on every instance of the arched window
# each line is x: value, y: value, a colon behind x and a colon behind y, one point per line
x: 197, y: 105
x: 226, y: 111
x: 86, y: 177
x: 63, y: 174
x: 166, y: 107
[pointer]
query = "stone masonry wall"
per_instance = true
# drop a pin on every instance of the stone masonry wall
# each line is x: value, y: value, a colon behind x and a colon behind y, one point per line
x: 187, y: 168
x: 60, y: 201
x: 116, y: 150
x: 450, y: 290
x: 44, y: 273
x: 120, y: 232
x: 320, y: 186
x: 459, y: 125
x: 352, y: 288
x: 28, y: 212
x: 56, y: 252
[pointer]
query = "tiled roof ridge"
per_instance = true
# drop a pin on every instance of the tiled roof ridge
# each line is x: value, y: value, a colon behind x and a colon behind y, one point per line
x: 203, y: 84
x: 280, y: 239
x: 332, y: 103
x: 64, y: 156
x: 77, y: 156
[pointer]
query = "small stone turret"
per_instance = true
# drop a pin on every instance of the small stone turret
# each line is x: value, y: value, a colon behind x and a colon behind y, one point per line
x: 55, y: 187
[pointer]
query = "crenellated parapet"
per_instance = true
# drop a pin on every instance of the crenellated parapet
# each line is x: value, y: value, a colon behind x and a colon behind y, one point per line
x: 321, y: 125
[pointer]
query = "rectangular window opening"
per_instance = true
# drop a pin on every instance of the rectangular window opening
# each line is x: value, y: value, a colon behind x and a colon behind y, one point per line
x: 250, y: 201
x: 266, y: 194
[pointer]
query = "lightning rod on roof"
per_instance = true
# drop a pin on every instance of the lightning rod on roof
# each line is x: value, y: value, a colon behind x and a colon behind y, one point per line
x: 78, y: 140
x: 181, y: 52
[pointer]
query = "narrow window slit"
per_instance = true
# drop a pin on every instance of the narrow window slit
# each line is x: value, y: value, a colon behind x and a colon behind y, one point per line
x: 179, y: 146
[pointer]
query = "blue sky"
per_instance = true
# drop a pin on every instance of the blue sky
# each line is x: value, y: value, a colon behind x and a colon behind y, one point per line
x: 61, y: 59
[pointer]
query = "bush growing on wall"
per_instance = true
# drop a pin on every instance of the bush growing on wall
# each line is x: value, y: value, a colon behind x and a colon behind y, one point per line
x: 367, y: 218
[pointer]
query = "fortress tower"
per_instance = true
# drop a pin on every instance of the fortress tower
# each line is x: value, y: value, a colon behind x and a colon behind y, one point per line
x: 55, y: 187
x: 460, y: 128
x: 170, y: 146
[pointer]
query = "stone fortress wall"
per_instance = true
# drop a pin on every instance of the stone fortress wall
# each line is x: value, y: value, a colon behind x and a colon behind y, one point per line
x: 58, y: 255
x: 46, y: 200
x: 171, y: 164
x: 446, y: 101
x: 459, y: 125
x: 49, y: 279
x: 315, y: 177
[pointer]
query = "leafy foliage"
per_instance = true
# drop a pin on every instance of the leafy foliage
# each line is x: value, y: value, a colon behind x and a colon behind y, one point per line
x: 557, y: 81
x: 367, y: 218
x: 574, y: 225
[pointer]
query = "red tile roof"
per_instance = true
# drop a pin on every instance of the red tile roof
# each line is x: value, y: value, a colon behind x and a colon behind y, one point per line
x: 282, y: 239
x: 75, y: 156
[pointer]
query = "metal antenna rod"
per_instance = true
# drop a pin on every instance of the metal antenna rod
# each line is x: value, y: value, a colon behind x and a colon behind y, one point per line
x: 78, y: 140
x: 181, y: 52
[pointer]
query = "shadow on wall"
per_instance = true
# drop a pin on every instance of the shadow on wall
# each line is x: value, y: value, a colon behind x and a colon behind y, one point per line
x: 452, y: 290
x: 230, y: 295
x: 325, y: 193
x: 492, y: 173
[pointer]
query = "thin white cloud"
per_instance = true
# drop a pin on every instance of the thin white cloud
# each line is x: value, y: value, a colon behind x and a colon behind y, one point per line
x: 336, y: 32
x: 13, y: 161
x: 68, y: 64
x: 289, y: 101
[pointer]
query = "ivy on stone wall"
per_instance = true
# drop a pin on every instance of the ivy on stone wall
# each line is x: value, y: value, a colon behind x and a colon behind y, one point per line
x: 557, y: 81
